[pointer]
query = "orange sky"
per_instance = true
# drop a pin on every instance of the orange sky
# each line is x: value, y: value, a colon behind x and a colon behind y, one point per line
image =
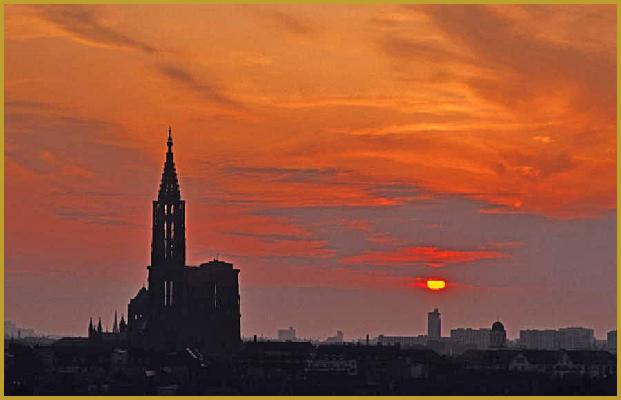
x: 341, y: 147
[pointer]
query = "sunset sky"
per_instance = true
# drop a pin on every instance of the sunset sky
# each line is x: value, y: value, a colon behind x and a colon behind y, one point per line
x: 337, y: 154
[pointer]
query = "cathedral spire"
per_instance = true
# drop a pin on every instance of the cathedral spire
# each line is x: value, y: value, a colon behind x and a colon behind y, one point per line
x: 168, y: 242
x: 169, y: 186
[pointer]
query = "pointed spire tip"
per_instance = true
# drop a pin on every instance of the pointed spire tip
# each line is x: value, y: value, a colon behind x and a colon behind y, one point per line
x: 169, y: 142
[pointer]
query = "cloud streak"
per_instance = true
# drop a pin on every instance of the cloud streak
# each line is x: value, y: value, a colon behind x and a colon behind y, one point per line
x: 208, y: 91
x: 286, y: 22
x: 496, y: 43
x: 84, y: 24
x: 429, y: 256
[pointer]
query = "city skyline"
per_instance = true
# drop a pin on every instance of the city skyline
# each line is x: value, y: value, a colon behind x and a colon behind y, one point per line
x: 336, y: 186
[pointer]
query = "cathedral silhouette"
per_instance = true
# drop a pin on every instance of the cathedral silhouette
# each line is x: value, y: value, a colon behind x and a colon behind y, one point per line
x: 184, y: 307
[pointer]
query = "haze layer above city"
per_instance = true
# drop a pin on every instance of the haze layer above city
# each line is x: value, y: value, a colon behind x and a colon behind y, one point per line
x: 339, y: 156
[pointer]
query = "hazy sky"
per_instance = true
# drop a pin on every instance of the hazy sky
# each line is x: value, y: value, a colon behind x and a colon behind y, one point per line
x: 337, y: 154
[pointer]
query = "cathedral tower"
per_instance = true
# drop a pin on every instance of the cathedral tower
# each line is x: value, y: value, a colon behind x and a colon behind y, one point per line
x: 184, y: 306
x: 166, y: 280
x: 168, y: 241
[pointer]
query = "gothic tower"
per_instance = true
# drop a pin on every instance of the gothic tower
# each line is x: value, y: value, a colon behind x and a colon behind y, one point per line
x: 166, y: 288
x: 184, y: 306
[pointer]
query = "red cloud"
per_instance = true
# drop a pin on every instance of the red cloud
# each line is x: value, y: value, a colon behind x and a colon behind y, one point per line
x: 429, y: 255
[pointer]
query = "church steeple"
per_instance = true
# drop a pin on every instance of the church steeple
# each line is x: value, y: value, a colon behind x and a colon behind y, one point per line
x: 115, y: 325
x: 169, y: 186
x: 168, y: 241
x: 122, y: 324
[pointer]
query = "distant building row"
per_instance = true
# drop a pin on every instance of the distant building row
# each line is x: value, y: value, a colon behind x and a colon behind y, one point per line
x: 573, y: 338
x: 462, y: 339
x: 13, y: 331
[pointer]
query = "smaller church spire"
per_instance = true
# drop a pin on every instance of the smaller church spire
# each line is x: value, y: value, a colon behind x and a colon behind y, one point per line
x: 90, y: 327
x: 99, y: 328
x: 122, y: 324
x: 115, y: 325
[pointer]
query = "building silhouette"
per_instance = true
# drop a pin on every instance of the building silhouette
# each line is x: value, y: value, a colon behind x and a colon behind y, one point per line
x: 498, y: 336
x: 183, y: 306
x: 611, y: 341
x: 287, y: 334
x: 576, y: 338
x: 403, y: 341
x: 476, y: 338
x: 434, y: 324
x: 339, y: 338
x: 542, y: 339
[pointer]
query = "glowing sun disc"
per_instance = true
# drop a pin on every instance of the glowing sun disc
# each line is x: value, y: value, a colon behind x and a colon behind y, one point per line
x: 436, y: 284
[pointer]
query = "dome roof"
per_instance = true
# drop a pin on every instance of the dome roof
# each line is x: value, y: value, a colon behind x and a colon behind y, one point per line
x: 498, y: 326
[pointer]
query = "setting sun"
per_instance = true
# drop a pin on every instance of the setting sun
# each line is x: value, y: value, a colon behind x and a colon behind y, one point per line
x: 436, y: 284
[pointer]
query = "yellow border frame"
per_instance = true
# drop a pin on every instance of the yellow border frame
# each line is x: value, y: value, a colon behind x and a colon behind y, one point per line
x: 3, y: 2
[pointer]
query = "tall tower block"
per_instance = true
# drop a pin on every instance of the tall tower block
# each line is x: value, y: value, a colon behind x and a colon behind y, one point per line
x: 434, y: 324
